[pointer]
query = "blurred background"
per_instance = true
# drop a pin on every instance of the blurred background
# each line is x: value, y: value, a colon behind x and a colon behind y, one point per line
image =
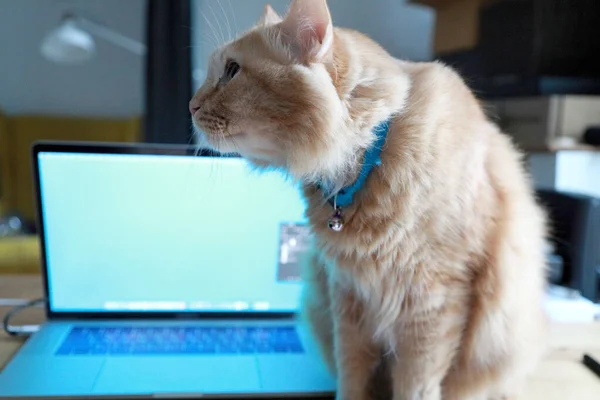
x: 124, y: 71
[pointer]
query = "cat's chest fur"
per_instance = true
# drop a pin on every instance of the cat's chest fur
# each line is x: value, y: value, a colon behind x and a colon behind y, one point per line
x: 372, y: 266
x: 388, y: 288
x: 388, y: 255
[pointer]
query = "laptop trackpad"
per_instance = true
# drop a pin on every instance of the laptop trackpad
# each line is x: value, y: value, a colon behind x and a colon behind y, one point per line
x: 183, y: 374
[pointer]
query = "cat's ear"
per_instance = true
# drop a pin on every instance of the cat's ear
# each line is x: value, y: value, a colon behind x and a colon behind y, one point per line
x: 309, y: 28
x: 270, y: 16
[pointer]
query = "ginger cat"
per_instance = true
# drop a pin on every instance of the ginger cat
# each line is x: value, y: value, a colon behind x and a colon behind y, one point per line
x: 437, y: 276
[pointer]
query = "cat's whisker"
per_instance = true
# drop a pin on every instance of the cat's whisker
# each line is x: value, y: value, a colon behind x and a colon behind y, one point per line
x: 218, y: 23
x: 235, y: 144
x: 229, y: 33
x: 213, y: 30
x: 192, y: 133
x: 193, y: 139
x: 204, y: 41
x: 215, y: 42
x: 212, y: 174
x: 188, y: 174
x: 235, y: 24
x: 232, y: 139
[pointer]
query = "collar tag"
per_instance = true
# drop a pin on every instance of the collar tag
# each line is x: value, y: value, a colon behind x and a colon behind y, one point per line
x: 345, y: 196
x: 336, y: 221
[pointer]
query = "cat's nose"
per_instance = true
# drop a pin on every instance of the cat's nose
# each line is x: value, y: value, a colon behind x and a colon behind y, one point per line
x: 194, y: 105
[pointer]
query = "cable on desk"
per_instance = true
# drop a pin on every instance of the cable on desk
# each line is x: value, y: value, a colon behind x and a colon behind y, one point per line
x: 10, y: 302
x: 21, y: 330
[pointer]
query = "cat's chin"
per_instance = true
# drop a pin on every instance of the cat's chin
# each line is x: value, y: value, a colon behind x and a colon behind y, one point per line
x: 222, y: 145
x: 260, y: 160
x: 239, y: 144
x: 260, y: 165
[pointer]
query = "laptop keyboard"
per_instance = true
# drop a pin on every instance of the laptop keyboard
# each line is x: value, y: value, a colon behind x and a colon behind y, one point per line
x: 180, y: 340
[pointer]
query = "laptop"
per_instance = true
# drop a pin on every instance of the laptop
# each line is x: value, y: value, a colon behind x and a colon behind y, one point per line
x: 167, y: 275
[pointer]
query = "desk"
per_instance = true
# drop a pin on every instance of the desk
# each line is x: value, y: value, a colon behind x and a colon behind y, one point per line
x: 561, y: 376
x: 22, y: 287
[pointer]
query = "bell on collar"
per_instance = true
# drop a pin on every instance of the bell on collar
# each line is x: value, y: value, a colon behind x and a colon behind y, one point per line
x: 336, y: 222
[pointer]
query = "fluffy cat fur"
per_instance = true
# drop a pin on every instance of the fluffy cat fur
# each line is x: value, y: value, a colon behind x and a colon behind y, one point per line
x: 438, y: 275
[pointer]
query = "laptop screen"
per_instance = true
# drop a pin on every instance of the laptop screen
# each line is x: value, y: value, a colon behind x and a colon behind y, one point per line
x: 157, y: 233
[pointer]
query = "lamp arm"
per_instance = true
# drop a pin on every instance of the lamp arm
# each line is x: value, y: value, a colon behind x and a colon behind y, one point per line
x: 112, y: 36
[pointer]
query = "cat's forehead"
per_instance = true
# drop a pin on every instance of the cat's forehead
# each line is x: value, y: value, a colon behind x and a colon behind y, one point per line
x: 252, y: 49
x: 220, y: 55
x: 253, y: 46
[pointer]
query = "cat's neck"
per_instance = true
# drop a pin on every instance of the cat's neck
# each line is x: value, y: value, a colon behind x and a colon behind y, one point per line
x: 373, y: 88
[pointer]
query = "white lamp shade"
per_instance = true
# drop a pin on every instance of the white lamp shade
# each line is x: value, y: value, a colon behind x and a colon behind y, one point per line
x: 68, y: 44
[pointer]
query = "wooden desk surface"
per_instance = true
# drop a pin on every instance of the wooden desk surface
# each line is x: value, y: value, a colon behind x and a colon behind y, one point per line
x: 561, y: 376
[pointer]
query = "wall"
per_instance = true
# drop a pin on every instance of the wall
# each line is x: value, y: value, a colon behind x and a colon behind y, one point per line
x: 404, y: 30
x: 111, y: 85
x: 569, y: 171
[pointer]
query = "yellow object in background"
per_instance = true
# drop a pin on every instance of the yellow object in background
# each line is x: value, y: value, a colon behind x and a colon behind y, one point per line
x: 20, y: 255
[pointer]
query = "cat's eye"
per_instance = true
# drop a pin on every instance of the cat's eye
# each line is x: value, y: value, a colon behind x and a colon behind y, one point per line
x: 231, y: 70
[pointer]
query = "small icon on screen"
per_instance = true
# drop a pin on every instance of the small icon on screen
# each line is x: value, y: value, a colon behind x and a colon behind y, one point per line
x: 294, y: 241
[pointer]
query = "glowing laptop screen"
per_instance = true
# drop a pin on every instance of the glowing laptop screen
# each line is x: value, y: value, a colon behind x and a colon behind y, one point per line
x: 152, y: 233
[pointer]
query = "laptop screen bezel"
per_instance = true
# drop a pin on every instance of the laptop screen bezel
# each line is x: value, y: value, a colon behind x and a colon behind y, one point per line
x: 128, y: 149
